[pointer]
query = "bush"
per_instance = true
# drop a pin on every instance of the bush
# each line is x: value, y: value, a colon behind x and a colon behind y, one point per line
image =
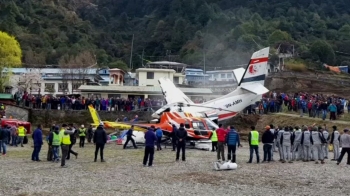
x: 296, y: 66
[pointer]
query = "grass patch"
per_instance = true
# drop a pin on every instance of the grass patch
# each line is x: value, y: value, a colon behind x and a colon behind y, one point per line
x: 295, y: 65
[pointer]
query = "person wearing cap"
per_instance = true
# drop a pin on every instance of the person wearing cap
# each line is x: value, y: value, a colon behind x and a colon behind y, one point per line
x: 267, y: 140
x: 181, y: 136
x: 345, y: 144
x: 335, y: 140
x: 326, y: 136
x: 280, y: 148
x: 286, y: 143
x: 100, y: 139
x: 150, y: 139
x: 253, y: 141
x: 316, y: 141
x: 159, y: 134
x: 82, y: 134
x: 55, y: 142
x: 297, y: 147
x: 129, y: 135
x: 306, y: 144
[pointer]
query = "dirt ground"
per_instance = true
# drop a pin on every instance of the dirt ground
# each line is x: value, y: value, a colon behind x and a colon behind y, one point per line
x: 123, y: 173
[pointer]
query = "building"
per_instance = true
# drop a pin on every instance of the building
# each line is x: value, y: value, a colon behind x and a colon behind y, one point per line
x: 221, y: 75
x: 54, y: 81
x: 196, y: 76
x: 144, y: 83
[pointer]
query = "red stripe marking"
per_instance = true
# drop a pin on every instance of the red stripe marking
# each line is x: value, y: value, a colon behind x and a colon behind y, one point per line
x: 227, y: 115
x: 259, y: 60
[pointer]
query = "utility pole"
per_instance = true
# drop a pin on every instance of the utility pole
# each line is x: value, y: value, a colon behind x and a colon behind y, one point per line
x: 143, y: 51
x: 132, y: 47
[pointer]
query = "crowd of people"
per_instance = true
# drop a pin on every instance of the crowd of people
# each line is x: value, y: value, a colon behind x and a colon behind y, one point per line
x: 308, y: 143
x: 313, y: 105
x: 75, y: 102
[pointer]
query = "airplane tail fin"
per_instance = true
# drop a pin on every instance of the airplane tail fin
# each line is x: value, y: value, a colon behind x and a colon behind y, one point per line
x: 256, y: 70
x: 95, y: 117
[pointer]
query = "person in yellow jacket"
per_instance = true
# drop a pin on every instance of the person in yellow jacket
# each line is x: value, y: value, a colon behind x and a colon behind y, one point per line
x: 65, y: 143
x: 253, y: 140
x: 82, y: 135
x: 214, y: 141
x: 21, y: 131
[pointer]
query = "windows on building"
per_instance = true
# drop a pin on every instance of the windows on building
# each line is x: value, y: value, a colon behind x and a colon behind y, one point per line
x: 75, y: 86
x: 62, y: 87
x: 223, y: 75
x: 50, y: 87
x: 150, y: 75
x: 176, y: 80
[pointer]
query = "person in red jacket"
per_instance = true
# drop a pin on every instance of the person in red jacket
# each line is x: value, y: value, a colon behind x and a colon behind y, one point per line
x: 221, y: 133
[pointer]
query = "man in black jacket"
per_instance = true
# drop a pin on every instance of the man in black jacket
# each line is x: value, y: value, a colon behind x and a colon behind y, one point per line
x: 267, y: 140
x: 173, y: 137
x: 129, y: 135
x: 100, y: 139
x: 73, y: 139
x: 181, y: 135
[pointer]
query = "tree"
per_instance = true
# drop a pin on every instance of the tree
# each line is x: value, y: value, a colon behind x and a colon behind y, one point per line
x: 74, y: 69
x: 28, y: 82
x: 10, y: 56
x: 118, y: 64
x: 323, y: 52
x: 278, y: 36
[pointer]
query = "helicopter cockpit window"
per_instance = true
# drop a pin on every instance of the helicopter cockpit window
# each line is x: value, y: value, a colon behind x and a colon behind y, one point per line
x: 187, y: 125
x: 211, y: 125
x: 198, y: 125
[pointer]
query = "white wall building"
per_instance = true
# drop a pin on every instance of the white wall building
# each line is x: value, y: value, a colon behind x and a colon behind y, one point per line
x: 53, y: 81
x: 149, y: 76
x: 221, y: 75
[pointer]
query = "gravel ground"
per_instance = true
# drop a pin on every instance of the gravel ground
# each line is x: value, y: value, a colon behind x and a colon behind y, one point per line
x: 123, y: 174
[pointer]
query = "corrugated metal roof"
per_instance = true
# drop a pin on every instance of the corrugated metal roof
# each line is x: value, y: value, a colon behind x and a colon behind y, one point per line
x: 48, y: 70
x: 155, y: 89
x: 6, y: 96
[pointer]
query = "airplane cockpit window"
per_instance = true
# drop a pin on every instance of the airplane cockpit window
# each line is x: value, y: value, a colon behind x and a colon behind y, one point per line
x: 211, y: 125
x: 198, y: 125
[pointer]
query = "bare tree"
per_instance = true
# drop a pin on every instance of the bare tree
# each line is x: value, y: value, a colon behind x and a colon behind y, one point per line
x: 29, y: 81
x: 75, y: 68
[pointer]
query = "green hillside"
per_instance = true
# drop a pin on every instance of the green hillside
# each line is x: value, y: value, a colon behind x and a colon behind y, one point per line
x: 226, y: 31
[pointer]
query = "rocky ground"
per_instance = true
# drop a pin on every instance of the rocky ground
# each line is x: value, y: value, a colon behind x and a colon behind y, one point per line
x: 123, y: 174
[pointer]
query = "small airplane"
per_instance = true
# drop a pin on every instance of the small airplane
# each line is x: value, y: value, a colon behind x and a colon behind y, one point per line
x: 198, y: 128
x: 250, y: 89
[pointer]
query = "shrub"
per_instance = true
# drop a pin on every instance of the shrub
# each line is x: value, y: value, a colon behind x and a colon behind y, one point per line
x: 296, y: 66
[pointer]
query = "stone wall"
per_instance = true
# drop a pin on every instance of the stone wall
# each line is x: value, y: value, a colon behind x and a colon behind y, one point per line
x: 49, y: 117
x: 17, y: 112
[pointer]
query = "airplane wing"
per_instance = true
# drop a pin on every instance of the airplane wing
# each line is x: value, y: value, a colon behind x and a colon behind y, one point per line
x: 123, y: 126
x: 255, y: 88
x: 171, y: 93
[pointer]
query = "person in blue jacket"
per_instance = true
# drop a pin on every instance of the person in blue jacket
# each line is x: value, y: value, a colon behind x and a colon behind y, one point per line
x: 150, y: 138
x: 232, y: 140
x: 159, y: 134
x: 38, y: 142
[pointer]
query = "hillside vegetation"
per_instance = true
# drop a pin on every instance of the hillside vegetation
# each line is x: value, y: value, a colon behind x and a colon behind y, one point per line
x: 226, y: 31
